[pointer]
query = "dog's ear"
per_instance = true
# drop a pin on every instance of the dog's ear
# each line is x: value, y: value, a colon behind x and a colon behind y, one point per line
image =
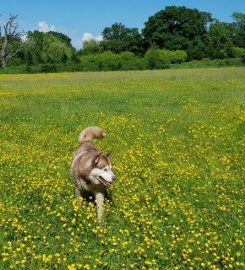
x: 96, y: 161
x: 101, y: 156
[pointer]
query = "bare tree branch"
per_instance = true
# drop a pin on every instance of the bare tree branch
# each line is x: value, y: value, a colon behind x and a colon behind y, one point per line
x: 8, y: 45
x: 13, y: 53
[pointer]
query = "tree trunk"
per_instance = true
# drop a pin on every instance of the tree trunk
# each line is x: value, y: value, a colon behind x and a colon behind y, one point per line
x: 3, y: 52
x: 4, y: 64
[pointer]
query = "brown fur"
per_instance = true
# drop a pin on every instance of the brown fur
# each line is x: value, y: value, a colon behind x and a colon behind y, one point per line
x: 88, y: 158
x: 89, y: 133
x: 81, y: 168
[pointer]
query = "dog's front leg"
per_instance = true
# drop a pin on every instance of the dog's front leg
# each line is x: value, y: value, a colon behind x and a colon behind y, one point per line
x: 99, y: 198
x: 77, y: 193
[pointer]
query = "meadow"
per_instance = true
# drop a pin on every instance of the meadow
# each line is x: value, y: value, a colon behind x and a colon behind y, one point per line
x: 177, y: 140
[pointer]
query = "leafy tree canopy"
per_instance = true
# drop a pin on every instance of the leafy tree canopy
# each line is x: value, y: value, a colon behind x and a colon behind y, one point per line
x: 118, y: 38
x: 239, y: 34
x: 90, y: 47
x: 48, y: 47
x: 173, y: 27
x: 62, y: 37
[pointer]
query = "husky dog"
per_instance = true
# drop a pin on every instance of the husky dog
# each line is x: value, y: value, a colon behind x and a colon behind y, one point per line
x: 91, y: 169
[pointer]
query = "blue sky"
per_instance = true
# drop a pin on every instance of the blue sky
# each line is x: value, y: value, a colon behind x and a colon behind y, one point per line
x: 75, y: 17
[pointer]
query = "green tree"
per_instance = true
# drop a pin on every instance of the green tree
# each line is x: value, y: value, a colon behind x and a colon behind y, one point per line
x: 175, y: 27
x: 118, y: 38
x: 34, y: 47
x: 56, y: 51
x: 91, y: 47
x: 48, y: 48
x: 10, y: 41
x: 219, y: 39
x: 239, y: 24
x: 197, y: 49
x: 62, y: 37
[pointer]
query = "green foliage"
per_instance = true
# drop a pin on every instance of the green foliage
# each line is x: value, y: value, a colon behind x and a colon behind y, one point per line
x: 11, y: 45
x: 210, y: 63
x: 102, y: 61
x: 129, y: 61
x: 117, y: 31
x: 119, y: 38
x: 56, y: 51
x: 111, y: 61
x: 48, y: 68
x: 16, y: 61
x: 108, y: 61
x: 90, y: 47
x: 220, y: 34
x: 174, y: 27
x: 14, y: 44
x: 172, y: 35
x: 34, y: 47
x: 239, y: 33
x: 136, y: 63
x: 197, y: 49
x: 156, y: 59
x: 62, y: 37
x: 228, y: 50
x: 48, y: 48
x: 238, y: 52
x: 177, y: 56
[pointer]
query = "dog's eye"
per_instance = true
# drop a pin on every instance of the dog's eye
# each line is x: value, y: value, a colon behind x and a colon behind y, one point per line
x: 105, y: 170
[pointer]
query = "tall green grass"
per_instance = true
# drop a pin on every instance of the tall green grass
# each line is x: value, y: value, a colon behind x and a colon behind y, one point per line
x: 177, y: 138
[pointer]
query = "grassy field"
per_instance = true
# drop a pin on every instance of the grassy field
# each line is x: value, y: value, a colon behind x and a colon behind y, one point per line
x: 177, y: 138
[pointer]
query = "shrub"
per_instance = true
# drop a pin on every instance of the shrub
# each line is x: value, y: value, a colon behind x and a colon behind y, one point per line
x: 156, y: 59
x: 48, y: 68
x: 109, y: 61
x: 129, y: 61
x: 172, y: 57
x: 15, y: 62
x: 238, y: 52
x: 206, y: 62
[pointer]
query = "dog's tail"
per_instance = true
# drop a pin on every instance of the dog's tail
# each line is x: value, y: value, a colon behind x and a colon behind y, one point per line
x: 90, y: 133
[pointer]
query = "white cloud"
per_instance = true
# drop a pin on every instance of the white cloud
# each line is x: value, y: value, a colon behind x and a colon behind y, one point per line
x: 53, y: 28
x: 23, y: 37
x: 88, y: 36
x: 44, y: 27
x: 77, y: 42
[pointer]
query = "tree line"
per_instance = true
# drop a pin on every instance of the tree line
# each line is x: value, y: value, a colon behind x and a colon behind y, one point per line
x: 172, y: 35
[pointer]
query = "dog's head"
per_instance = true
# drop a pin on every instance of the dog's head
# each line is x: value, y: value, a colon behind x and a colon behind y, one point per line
x: 102, y: 170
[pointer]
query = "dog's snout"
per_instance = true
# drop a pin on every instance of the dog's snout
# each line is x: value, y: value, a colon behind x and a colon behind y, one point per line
x: 113, y: 177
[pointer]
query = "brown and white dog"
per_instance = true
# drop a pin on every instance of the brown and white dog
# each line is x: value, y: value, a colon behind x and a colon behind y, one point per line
x: 91, y: 169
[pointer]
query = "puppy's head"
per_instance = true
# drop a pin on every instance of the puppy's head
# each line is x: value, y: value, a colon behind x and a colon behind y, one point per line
x: 102, y: 171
